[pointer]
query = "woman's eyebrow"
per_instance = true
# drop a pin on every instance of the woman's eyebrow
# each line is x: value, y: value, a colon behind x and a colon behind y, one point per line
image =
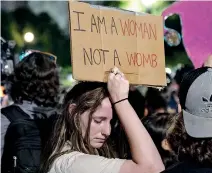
x: 100, y: 117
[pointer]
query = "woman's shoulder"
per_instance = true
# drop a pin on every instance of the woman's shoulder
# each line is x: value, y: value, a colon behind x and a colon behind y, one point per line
x: 78, y: 162
x: 64, y: 161
x: 70, y: 157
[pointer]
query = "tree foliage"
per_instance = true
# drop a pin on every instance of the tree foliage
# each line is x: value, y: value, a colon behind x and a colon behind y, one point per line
x: 48, y: 36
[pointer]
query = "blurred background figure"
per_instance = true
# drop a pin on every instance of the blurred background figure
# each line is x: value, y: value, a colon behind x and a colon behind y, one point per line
x: 7, y: 63
x: 157, y: 125
x: 4, y: 97
x: 154, y: 102
x: 26, y: 124
x: 190, y: 133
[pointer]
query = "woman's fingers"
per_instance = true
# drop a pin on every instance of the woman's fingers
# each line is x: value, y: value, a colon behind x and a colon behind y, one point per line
x: 115, y: 70
x: 118, y: 86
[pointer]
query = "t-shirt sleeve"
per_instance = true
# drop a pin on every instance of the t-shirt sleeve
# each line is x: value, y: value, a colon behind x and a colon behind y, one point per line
x: 78, y: 162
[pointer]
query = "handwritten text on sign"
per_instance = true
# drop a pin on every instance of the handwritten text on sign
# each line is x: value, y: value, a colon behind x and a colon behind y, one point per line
x: 104, y: 38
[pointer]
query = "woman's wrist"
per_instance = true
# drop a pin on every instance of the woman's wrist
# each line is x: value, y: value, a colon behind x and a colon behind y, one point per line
x: 119, y: 101
x: 121, y: 105
x: 117, y: 97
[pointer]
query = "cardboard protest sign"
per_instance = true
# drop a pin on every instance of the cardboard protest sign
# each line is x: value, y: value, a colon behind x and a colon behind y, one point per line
x: 102, y: 38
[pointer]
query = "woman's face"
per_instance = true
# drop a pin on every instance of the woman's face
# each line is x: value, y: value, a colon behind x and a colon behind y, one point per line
x: 100, y: 127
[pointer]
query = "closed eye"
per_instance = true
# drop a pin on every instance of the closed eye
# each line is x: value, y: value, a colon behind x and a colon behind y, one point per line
x: 98, y: 121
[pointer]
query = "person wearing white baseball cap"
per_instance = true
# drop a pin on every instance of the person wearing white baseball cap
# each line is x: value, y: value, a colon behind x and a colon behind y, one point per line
x: 190, y: 135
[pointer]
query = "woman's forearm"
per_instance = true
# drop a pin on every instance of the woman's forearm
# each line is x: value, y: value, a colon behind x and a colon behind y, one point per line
x: 144, y: 152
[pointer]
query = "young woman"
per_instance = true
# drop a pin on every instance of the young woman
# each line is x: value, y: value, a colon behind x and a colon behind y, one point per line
x: 80, y: 139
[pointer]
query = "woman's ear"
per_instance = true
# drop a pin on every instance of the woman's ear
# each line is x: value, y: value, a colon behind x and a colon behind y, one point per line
x: 71, y: 107
x: 165, y: 145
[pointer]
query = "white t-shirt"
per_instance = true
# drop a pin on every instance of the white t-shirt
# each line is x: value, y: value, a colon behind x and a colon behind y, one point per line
x: 77, y: 162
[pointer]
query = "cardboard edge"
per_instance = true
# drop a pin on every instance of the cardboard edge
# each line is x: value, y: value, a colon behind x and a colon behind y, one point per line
x: 102, y: 7
x: 163, y: 44
x: 71, y: 47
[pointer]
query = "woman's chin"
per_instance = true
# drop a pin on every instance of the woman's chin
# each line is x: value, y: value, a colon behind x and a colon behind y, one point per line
x: 97, y: 145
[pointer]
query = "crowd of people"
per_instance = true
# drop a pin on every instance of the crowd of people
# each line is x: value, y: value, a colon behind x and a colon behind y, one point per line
x: 106, y: 127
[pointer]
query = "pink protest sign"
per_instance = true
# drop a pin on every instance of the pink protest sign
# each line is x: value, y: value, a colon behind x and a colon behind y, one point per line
x: 196, y: 24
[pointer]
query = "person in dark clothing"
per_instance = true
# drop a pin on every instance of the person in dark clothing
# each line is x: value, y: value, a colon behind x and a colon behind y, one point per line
x: 190, y: 135
x: 187, y: 167
x: 34, y: 90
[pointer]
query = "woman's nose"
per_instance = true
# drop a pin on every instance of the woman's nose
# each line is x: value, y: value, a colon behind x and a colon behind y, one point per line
x: 106, y: 130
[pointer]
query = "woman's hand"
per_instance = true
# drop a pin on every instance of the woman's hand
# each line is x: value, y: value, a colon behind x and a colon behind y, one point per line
x: 118, y: 86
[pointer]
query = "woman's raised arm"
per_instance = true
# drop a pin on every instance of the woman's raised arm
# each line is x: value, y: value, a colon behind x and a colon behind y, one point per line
x: 145, y: 157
